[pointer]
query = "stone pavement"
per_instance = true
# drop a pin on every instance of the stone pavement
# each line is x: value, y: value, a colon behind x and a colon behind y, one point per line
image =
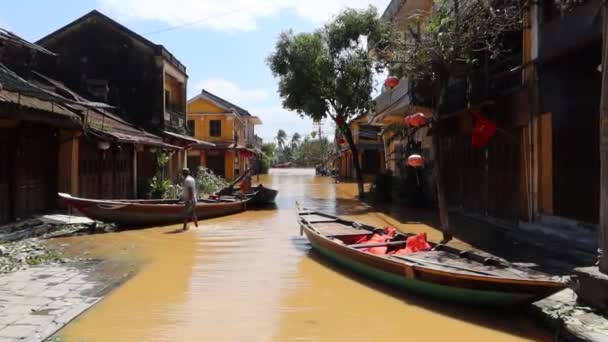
x: 38, y: 301
x: 571, y: 320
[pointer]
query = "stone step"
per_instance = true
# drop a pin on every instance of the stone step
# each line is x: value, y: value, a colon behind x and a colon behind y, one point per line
x: 565, y: 223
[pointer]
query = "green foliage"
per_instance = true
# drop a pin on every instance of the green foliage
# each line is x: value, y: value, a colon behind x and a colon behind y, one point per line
x: 314, y: 152
x: 160, y: 186
x: 50, y: 256
x: 327, y: 72
x: 452, y: 40
x: 281, y: 138
x: 267, y: 156
x: 208, y: 183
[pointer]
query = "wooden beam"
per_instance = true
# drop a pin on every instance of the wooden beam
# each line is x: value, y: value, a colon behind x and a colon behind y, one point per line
x: 603, y: 231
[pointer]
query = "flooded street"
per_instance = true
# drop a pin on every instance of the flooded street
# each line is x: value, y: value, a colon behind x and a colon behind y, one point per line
x: 251, y: 277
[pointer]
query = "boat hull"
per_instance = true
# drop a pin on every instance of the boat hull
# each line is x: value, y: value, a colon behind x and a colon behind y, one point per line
x: 127, y: 213
x: 416, y: 281
x: 263, y: 196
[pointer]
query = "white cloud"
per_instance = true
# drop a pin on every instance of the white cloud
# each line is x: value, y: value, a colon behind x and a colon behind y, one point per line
x: 229, y: 15
x: 231, y: 91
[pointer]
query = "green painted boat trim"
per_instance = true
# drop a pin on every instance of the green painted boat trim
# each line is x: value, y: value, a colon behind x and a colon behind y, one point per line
x: 415, y: 286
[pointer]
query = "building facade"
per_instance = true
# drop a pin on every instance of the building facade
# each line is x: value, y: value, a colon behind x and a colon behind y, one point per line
x: 228, y: 126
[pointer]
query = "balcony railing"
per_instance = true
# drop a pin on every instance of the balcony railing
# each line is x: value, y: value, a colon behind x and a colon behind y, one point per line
x: 175, y: 119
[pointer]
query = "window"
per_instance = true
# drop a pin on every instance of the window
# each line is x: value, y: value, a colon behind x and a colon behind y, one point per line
x: 167, y: 99
x: 191, y: 127
x: 215, y: 128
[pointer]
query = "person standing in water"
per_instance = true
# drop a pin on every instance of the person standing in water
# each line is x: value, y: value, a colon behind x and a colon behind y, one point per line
x: 189, y: 196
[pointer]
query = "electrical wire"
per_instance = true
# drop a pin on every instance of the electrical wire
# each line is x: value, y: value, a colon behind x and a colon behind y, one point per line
x: 172, y: 28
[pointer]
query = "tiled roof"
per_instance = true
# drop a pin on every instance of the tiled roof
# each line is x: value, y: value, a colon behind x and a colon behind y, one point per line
x: 15, y: 39
x: 226, y: 104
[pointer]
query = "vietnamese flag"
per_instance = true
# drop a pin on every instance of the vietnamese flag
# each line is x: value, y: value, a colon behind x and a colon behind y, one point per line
x: 483, y: 130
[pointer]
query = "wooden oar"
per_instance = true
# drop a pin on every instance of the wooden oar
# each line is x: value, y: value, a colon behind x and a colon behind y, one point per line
x: 233, y: 183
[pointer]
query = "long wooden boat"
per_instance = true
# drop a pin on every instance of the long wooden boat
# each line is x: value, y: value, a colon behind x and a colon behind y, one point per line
x: 444, y: 272
x: 259, y: 195
x: 150, y: 212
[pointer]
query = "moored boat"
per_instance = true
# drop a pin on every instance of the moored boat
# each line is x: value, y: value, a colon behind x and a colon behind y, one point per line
x: 439, y: 271
x: 259, y: 195
x: 150, y: 212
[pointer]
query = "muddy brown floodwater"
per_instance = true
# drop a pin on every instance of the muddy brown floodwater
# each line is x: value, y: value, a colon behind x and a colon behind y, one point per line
x: 251, y: 277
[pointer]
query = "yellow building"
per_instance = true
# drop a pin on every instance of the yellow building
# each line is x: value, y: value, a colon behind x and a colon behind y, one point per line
x: 369, y: 146
x: 230, y: 127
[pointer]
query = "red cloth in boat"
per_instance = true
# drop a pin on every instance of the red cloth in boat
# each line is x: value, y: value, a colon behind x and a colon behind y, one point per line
x: 413, y: 244
x: 388, y: 233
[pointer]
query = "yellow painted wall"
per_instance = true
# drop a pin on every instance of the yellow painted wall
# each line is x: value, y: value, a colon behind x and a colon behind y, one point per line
x: 202, y: 112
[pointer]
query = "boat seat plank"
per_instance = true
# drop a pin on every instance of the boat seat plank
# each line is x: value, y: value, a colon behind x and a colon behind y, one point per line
x: 439, y: 258
x: 317, y: 218
x: 336, y: 228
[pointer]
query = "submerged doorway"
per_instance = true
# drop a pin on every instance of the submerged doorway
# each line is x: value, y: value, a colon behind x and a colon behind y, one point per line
x: 216, y: 163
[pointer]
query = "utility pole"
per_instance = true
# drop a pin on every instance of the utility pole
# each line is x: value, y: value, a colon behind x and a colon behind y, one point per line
x: 603, y: 228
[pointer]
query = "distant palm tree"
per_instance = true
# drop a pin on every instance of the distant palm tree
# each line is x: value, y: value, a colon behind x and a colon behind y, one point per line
x: 295, y: 140
x: 281, y: 139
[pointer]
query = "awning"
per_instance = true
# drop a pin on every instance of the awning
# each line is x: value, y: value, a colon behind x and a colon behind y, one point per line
x: 186, y: 140
x: 227, y: 146
x: 146, y: 140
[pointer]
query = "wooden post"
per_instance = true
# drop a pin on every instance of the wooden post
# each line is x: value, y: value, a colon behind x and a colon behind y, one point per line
x: 603, y: 228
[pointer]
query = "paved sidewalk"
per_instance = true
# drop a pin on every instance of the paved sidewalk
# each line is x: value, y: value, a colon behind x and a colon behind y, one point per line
x: 38, y: 301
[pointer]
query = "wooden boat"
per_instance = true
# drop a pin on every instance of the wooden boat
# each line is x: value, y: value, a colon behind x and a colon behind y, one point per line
x: 150, y: 212
x: 444, y: 272
x: 259, y: 195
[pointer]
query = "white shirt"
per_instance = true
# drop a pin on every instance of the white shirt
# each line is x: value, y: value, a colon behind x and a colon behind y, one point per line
x: 189, y: 186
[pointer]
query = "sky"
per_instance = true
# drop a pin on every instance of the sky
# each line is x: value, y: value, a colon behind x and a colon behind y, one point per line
x: 223, y: 43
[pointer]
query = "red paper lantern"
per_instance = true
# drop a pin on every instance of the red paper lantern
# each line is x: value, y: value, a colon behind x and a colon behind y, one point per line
x: 415, y: 160
x: 416, y: 120
x: 391, y: 82
x: 246, y: 154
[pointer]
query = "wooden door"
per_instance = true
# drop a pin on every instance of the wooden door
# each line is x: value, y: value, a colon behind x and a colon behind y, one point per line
x: 35, y: 171
x: 90, y: 165
x: 6, y: 162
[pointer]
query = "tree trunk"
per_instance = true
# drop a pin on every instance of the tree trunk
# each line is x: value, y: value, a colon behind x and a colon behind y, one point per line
x: 355, y: 153
x: 437, y: 170
x: 603, y: 228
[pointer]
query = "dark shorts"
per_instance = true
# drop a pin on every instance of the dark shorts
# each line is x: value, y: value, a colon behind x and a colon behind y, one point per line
x: 189, y: 208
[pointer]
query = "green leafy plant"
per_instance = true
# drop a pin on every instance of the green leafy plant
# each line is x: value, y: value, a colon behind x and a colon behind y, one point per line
x: 208, y: 183
x: 160, y: 186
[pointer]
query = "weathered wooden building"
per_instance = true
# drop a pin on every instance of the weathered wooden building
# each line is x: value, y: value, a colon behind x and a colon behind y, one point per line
x: 31, y: 122
x: 54, y: 140
x: 142, y: 80
x: 542, y: 165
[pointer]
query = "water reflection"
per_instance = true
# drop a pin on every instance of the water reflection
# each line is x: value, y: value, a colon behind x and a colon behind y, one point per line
x: 251, y: 277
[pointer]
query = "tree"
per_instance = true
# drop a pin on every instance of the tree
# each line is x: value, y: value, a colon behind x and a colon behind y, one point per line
x: 446, y: 44
x: 281, y: 138
x: 295, y: 140
x: 327, y: 73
